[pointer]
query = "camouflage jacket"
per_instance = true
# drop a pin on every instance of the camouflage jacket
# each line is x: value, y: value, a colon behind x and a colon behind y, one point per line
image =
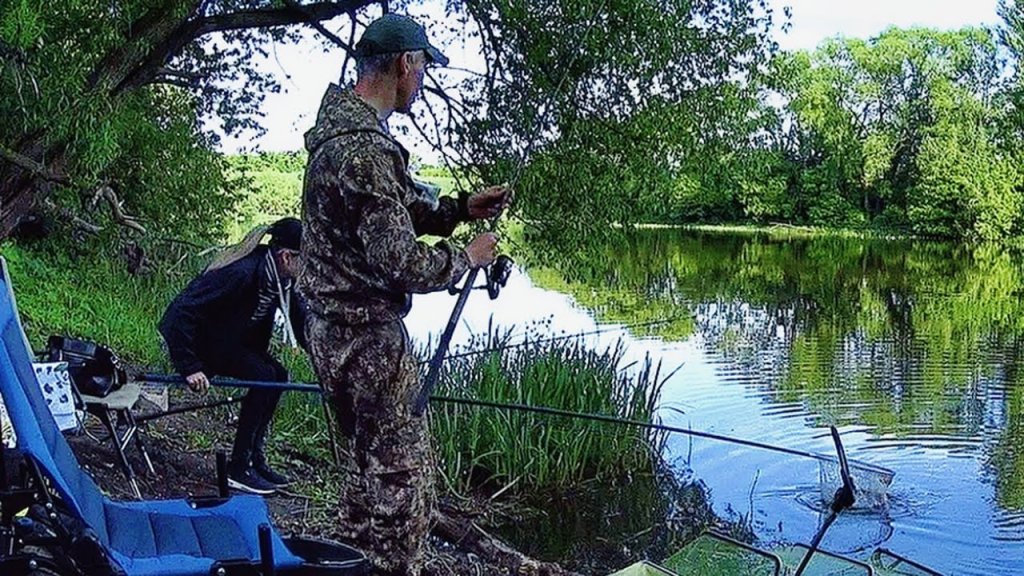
x: 361, y: 217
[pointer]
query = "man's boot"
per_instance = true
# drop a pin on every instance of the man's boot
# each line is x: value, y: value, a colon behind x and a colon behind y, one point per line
x: 241, y: 474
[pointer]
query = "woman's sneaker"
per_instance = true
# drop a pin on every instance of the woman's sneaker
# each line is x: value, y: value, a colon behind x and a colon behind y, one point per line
x: 251, y: 481
x: 278, y: 480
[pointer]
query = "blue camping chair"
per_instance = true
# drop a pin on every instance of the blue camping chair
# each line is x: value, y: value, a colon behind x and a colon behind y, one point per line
x: 71, y: 528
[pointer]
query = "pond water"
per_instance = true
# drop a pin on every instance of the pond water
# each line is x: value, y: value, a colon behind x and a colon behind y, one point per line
x: 914, y: 350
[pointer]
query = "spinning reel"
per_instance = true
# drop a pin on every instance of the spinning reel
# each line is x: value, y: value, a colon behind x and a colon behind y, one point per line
x: 498, y: 273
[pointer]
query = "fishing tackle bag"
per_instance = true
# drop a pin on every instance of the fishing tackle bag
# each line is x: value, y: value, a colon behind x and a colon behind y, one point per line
x: 94, y: 368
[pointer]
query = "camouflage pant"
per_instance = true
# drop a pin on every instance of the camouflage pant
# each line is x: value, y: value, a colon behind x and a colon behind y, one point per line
x: 371, y: 378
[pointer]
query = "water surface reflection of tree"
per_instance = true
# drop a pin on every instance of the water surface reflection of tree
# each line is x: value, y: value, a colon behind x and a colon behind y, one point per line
x: 915, y: 339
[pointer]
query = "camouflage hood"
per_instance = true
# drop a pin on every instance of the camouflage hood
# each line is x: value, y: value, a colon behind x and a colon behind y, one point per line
x: 341, y: 112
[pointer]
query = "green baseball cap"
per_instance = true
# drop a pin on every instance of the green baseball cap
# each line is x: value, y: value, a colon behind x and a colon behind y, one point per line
x: 393, y: 33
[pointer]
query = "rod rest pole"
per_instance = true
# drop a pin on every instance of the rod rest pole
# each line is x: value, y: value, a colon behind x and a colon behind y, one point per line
x: 222, y: 474
x: 266, y: 551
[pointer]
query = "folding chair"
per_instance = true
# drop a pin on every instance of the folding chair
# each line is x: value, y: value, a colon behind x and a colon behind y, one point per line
x: 114, y: 410
x: 71, y: 521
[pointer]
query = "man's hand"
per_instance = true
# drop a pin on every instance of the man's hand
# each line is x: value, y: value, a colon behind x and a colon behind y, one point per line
x: 198, y: 382
x: 489, y: 203
x: 482, y: 250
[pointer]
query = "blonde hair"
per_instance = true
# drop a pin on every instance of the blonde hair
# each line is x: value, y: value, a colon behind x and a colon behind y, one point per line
x: 236, y: 252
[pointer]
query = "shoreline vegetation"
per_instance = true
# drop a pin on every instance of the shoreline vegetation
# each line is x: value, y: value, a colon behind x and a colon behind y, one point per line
x: 511, y: 467
x: 783, y: 230
x: 275, y: 179
x: 515, y: 470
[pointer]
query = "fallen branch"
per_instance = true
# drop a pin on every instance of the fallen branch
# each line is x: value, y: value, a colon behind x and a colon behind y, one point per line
x: 105, y: 192
x: 36, y: 168
x: 459, y: 530
x: 63, y: 213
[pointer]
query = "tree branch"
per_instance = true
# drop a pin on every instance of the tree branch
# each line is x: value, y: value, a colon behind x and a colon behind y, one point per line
x: 190, y: 30
x: 63, y: 213
x: 39, y: 170
x: 36, y: 168
x: 291, y: 13
x: 105, y: 192
x: 179, y: 78
x: 346, y: 46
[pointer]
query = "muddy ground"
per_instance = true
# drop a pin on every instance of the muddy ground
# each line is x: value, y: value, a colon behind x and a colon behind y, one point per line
x: 183, y: 450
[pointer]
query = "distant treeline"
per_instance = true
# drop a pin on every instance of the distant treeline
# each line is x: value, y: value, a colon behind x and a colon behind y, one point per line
x: 915, y: 130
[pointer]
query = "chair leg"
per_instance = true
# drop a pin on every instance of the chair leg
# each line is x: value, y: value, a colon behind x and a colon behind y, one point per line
x: 139, y: 443
x: 106, y: 416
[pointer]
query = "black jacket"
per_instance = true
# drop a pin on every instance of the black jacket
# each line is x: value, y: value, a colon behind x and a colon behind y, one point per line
x: 212, y: 316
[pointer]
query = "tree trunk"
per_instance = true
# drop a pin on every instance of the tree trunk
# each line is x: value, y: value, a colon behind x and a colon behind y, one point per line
x: 22, y: 188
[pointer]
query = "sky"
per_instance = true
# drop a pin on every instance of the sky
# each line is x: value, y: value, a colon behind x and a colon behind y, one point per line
x: 306, y: 69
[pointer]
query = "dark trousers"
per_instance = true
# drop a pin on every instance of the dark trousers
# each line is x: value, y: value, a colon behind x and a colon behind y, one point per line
x: 257, y: 407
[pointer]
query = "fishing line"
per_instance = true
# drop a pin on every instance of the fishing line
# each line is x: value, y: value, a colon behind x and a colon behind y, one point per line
x: 650, y: 426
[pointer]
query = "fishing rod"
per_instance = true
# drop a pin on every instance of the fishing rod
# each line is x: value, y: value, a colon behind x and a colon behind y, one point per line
x: 503, y: 264
x: 221, y: 382
x: 235, y: 383
x: 314, y: 388
x: 844, y: 498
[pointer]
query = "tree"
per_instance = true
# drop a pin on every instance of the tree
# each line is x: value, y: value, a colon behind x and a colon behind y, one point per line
x: 109, y: 96
x: 902, y: 128
x: 556, y: 72
x: 594, y: 108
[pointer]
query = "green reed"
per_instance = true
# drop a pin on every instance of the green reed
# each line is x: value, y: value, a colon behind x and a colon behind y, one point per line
x: 499, y: 450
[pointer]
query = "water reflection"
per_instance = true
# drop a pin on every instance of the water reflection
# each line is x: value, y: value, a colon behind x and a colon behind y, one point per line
x: 914, y: 349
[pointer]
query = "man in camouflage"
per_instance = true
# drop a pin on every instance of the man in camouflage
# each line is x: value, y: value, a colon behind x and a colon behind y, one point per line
x: 361, y: 260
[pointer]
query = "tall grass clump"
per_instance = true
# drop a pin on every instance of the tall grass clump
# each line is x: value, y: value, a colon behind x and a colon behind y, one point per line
x: 498, y: 450
x: 93, y: 296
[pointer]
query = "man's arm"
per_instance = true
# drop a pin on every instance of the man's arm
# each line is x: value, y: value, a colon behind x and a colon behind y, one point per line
x: 440, y: 221
x: 451, y: 211
x: 374, y: 196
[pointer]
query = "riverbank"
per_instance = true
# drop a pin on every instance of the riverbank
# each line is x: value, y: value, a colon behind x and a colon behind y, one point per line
x: 183, y: 450
x: 507, y: 473
x: 783, y: 231
x: 591, y: 529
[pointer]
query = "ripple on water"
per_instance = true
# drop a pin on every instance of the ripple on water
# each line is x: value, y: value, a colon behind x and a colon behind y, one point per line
x: 900, y: 502
x: 1009, y: 526
x: 855, y: 531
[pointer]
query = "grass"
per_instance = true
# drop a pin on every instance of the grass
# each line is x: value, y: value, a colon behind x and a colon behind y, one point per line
x: 95, y: 298
x: 501, y: 450
x: 92, y: 297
